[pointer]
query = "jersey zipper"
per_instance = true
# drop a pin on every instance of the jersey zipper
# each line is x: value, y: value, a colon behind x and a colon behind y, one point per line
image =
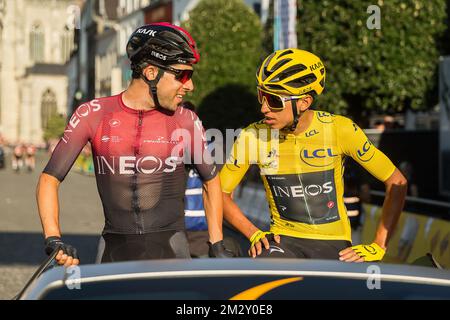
x: 139, y: 219
x: 137, y: 143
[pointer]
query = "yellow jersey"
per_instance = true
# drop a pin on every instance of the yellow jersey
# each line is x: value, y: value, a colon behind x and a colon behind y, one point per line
x: 303, y: 174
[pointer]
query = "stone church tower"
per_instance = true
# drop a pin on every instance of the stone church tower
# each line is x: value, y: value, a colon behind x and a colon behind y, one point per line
x: 36, y: 40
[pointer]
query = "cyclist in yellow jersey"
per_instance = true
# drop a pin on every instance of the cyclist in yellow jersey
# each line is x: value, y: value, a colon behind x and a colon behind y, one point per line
x: 301, y: 155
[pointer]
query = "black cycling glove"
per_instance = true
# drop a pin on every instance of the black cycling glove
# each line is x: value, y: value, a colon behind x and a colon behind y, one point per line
x: 51, y: 243
x: 218, y: 250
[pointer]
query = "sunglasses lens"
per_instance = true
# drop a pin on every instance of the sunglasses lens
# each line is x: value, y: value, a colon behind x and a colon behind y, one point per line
x: 273, y: 101
x: 184, y: 76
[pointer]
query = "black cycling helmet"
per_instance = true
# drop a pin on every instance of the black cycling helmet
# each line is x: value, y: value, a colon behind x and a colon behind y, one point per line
x: 160, y: 44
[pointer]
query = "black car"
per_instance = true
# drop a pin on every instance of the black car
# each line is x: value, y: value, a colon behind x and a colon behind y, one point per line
x: 239, y: 279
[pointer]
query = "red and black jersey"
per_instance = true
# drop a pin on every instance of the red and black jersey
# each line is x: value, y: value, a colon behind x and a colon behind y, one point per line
x: 139, y: 159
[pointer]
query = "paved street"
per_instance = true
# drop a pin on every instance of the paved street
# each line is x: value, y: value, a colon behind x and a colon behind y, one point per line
x: 21, y: 240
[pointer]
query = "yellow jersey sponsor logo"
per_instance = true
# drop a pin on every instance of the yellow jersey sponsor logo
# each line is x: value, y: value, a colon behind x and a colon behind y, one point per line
x: 325, y: 117
x: 320, y: 157
x: 366, y: 152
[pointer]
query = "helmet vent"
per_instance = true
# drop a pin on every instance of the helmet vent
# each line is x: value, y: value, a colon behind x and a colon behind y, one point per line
x: 285, y: 53
x: 279, y: 64
x: 274, y: 87
x: 303, y: 81
x: 266, y: 72
x: 292, y: 70
x: 322, y: 71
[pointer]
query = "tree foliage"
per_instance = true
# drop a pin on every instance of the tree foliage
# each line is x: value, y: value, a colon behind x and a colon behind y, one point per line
x: 55, y: 127
x: 229, y: 36
x: 389, y: 69
x: 241, y: 108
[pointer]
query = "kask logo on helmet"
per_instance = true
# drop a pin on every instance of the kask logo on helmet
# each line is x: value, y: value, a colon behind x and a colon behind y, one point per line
x: 149, y: 32
x: 316, y: 66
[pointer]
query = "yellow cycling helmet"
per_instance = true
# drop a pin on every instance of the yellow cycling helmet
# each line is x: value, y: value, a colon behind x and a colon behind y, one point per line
x: 292, y: 72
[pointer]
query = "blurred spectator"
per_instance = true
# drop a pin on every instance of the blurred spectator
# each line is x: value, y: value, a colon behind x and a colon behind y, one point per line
x: 195, y: 219
x: 2, y: 154
x: 397, y: 125
x: 388, y: 122
x: 17, y: 160
x: 379, y: 125
x: 30, y: 157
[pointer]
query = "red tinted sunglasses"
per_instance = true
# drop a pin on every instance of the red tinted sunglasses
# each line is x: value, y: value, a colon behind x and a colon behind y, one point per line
x: 180, y: 75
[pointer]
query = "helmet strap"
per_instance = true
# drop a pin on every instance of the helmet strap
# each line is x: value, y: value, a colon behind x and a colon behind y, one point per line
x: 152, y: 86
x: 295, y: 114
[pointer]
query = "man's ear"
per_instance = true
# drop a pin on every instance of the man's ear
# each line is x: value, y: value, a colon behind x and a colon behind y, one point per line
x: 305, y: 103
x: 150, y: 72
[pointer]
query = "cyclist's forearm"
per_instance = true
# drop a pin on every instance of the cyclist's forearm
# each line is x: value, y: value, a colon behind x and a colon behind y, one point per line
x: 396, y: 187
x: 212, y: 200
x: 233, y: 214
x: 47, y: 201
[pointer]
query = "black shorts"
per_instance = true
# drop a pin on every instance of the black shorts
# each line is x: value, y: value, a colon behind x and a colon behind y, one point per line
x: 154, y: 245
x: 291, y: 247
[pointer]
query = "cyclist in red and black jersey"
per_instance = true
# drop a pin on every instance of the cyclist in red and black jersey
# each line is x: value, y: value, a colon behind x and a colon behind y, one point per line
x: 140, y: 140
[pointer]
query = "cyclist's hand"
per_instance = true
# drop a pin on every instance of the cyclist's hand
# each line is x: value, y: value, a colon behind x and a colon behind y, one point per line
x: 67, y: 254
x: 257, y: 240
x: 362, y: 253
x: 218, y: 250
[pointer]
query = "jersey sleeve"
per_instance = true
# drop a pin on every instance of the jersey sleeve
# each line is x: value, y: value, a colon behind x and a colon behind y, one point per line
x: 354, y: 143
x: 238, y: 161
x: 76, y: 134
x: 199, y: 152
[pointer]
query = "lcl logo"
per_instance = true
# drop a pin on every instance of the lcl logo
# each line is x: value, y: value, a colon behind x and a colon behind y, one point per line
x: 362, y: 153
x: 319, y: 157
x: 318, y: 153
x: 325, y: 117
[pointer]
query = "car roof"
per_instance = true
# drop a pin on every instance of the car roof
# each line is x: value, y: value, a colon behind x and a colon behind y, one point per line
x: 236, y: 267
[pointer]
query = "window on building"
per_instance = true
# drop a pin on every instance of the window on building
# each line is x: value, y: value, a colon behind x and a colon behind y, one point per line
x: 37, y: 42
x: 129, y: 7
x: 67, y: 44
x: 48, y: 107
x: 121, y: 8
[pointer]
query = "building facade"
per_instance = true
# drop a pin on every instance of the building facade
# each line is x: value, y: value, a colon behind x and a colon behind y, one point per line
x: 36, y: 40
